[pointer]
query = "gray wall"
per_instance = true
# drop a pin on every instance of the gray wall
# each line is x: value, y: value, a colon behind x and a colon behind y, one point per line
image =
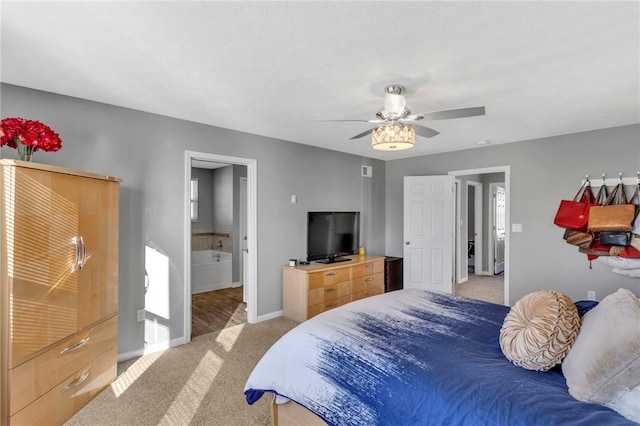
x: 223, y: 198
x: 148, y: 152
x: 543, y: 172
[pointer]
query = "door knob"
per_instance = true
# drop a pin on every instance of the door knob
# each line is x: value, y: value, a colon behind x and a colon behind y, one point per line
x: 407, y: 243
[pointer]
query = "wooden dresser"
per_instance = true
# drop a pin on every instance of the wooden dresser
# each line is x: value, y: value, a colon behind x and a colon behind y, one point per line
x: 311, y: 289
x: 59, y: 290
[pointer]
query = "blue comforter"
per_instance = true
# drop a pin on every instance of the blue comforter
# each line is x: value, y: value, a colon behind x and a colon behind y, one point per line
x: 411, y: 357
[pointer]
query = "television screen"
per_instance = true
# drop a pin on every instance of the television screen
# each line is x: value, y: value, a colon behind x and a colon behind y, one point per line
x: 332, y: 234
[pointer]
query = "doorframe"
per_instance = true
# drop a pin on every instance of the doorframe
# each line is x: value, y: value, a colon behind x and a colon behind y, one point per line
x: 492, y: 219
x: 252, y: 233
x: 461, y: 267
x: 242, y: 182
x: 478, y: 203
x: 461, y: 256
x: 507, y: 238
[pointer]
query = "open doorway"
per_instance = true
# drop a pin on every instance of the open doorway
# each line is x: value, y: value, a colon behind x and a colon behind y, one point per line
x: 481, y: 252
x: 220, y: 244
x: 217, y: 300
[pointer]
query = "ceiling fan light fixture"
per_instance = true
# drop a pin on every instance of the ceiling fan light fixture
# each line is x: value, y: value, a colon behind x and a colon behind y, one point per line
x: 394, y: 104
x: 394, y: 137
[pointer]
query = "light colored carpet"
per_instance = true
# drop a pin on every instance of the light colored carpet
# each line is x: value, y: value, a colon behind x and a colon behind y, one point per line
x: 489, y: 288
x: 200, y: 383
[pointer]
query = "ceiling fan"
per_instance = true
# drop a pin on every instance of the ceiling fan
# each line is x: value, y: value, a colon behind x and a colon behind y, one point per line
x: 395, y: 112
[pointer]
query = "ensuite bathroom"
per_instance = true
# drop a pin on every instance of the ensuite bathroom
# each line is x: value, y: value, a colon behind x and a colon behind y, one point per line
x: 216, y: 245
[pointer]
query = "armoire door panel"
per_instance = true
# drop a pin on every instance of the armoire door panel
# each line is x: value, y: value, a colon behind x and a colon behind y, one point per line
x: 98, y: 277
x: 41, y: 223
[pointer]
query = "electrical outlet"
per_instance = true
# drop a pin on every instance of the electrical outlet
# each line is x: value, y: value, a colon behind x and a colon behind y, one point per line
x: 591, y: 295
x: 140, y: 315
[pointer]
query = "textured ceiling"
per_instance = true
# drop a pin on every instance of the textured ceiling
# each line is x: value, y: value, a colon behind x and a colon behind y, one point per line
x: 270, y: 68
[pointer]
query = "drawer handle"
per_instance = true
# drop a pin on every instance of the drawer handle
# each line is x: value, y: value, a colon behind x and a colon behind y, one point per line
x: 84, y: 253
x: 368, y: 265
x: 76, y: 383
x: 78, y: 345
x: 369, y: 279
x: 77, y: 246
x: 331, y: 305
x: 330, y: 274
x: 331, y: 289
x: 369, y: 293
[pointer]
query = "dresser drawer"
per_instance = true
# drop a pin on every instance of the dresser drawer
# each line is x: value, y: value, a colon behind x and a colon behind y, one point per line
x: 337, y: 291
x: 368, y: 293
x: 61, y: 402
x: 327, y: 305
x: 367, y: 268
x: 328, y: 277
x: 366, y: 282
x: 329, y: 292
x: 38, y: 375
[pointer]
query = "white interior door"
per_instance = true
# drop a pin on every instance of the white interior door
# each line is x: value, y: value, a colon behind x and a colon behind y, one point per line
x: 428, y: 233
x: 499, y: 226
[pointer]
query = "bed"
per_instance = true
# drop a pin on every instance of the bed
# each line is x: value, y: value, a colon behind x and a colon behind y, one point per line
x: 412, y: 357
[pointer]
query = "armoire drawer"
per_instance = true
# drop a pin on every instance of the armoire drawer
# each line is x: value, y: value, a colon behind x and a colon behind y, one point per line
x: 61, y: 402
x: 38, y: 375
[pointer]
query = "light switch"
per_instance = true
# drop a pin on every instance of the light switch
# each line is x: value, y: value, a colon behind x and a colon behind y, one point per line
x: 294, y: 199
x: 516, y: 227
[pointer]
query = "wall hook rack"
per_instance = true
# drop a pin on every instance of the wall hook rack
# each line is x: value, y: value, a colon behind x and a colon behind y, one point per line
x: 613, y: 181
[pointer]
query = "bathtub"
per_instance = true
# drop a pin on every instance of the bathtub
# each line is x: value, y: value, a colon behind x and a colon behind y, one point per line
x: 210, y: 270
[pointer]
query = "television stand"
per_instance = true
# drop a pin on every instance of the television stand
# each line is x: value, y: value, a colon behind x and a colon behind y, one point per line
x: 308, y: 290
x: 333, y: 260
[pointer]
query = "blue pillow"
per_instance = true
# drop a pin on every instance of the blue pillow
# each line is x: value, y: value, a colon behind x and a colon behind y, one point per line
x: 584, y: 306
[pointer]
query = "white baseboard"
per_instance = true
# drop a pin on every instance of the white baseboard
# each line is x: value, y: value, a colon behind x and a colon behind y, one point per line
x: 266, y: 317
x: 177, y: 342
x: 151, y: 349
x: 211, y: 287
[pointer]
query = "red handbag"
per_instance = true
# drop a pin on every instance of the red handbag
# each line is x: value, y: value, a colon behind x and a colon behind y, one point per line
x: 574, y: 214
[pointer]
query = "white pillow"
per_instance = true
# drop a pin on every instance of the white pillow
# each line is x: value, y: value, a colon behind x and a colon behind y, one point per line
x: 605, y: 358
x: 627, y: 403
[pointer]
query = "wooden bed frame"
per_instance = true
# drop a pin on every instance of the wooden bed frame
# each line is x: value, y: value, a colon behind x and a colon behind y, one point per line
x: 293, y: 414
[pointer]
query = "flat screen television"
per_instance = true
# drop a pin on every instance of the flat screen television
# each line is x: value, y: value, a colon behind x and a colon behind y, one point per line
x: 331, y: 235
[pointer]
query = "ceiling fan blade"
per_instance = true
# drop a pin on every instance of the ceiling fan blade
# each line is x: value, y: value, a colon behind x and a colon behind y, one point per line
x: 359, y: 135
x: 376, y: 121
x: 453, y: 113
x: 425, y: 132
x: 330, y: 119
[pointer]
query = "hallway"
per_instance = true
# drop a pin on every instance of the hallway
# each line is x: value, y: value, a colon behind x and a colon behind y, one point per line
x: 482, y: 287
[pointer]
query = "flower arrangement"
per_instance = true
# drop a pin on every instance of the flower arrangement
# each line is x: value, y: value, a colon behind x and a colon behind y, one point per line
x: 28, y: 136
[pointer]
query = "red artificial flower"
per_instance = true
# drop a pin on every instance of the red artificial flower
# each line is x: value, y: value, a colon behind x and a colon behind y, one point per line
x: 30, y: 133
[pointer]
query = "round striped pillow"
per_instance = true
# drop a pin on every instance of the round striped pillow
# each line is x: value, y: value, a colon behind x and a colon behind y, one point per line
x: 539, y: 330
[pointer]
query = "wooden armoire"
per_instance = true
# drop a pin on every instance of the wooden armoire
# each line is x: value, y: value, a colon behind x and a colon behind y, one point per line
x: 59, y: 290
